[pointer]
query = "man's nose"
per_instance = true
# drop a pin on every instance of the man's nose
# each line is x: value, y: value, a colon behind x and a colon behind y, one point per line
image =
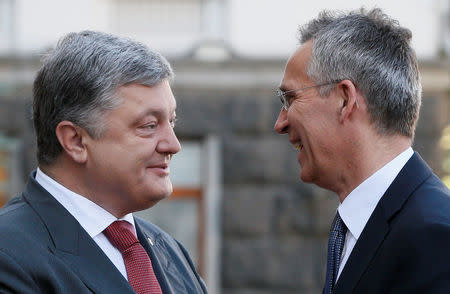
x: 169, y: 143
x: 281, y: 125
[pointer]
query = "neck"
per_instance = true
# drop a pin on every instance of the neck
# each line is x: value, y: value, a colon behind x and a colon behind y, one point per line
x: 370, y: 157
x: 75, y: 178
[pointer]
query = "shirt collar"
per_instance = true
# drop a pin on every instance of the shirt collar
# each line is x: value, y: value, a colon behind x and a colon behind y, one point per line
x: 359, y: 205
x: 93, y: 218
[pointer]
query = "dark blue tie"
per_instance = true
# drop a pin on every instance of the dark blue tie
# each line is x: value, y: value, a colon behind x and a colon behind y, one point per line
x: 335, y: 245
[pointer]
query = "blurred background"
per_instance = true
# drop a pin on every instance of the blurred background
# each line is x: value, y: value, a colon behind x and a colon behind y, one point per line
x: 238, y: 205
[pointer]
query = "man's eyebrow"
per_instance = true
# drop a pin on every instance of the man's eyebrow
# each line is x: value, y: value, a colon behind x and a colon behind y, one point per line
x: 151, y: 112
x: 284, y: 88
x: 154, y: 112
x: 287, y: 92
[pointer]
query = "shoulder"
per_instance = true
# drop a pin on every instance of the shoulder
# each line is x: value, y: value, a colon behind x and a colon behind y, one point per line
x: 430, y: 202
x: 420, y: 235
x: 425, y: 214
x: 21, y: 228
x: 24, y: 247
x: 18, y: 216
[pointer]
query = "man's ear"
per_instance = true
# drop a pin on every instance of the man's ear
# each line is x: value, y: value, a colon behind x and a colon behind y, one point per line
x: 349, y: 95
x: 70, y: 136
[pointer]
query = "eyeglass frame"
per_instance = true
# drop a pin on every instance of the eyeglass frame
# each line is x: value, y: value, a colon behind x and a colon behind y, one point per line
x: 282, y: 94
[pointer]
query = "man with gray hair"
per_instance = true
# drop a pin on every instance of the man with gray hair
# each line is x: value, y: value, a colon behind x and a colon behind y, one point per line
x: 104, y: 114
x: 350, y: 102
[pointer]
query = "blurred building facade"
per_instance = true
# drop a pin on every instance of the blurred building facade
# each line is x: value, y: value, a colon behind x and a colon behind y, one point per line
x: 238, y: 203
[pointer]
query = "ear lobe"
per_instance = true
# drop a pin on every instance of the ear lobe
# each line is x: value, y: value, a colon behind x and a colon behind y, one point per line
x: 70, y: 136
x: 349, y: 96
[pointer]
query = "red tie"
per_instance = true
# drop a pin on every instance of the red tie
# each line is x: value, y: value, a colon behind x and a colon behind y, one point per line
x: 137, y: 262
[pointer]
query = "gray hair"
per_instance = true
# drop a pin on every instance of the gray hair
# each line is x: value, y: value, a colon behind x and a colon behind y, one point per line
x: 373, y: 51
x: 78, y: 82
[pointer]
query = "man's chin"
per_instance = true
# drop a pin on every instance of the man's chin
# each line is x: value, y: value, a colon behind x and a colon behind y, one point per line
x: 163, y: 193
x: 305, y: 177
x: 159, y: 188
x: 149, y: 202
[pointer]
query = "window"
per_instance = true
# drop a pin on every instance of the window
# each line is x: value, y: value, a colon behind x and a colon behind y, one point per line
x: 6, y: 26
x: 171, y: 26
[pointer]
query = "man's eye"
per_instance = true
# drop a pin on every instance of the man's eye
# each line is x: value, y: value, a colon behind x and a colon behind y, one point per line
x: 289, y: 99
x: 150, y: 126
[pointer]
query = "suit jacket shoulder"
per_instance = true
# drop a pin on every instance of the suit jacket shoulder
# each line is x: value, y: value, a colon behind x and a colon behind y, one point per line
x: 28, y: 263
x: 43, y: 249
x: 404, y: 245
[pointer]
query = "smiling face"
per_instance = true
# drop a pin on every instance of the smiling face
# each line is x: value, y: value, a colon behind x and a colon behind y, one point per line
x: 127, y: 168
x: 311, y: 122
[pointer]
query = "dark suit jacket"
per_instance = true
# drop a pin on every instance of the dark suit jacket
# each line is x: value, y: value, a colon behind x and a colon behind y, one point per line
x: 405, y: 245
x: 43, y: 249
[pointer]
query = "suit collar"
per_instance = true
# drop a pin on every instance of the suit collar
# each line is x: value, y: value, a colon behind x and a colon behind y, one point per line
x: 72, y: 243
x: 412, y: 175
x: 92, y: 217
x: 55, y: 217
x: 359, y: 205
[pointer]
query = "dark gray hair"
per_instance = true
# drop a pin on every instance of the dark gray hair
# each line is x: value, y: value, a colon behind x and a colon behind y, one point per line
x: 78, y: 82
x: 373, y: 51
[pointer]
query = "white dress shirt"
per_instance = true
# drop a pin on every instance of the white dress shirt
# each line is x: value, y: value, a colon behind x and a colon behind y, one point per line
x: 93, y: 218
x: 359, y: 205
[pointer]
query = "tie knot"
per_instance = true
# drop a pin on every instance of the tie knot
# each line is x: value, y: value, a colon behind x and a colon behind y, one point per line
x: 121, y: 235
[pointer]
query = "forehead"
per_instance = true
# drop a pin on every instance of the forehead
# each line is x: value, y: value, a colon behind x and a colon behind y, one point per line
x: 140, y: 101
x: 158, y: 97
x: 295, y: 73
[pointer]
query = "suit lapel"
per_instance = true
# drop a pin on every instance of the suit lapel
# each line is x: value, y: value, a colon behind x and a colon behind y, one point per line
x: 412, y: 175
x: 169, y: 278
x: 94, y: 268
x: 363, y: 252
x: 73, y: 244
x: 149, y: 241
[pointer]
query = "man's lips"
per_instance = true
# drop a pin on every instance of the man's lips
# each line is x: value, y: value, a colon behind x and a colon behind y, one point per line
x: 162, y: 168
x: 160, y: 165
x: 297, y: 144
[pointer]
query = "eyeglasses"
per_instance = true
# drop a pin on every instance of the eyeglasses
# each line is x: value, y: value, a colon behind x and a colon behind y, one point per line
x: 287, y: 101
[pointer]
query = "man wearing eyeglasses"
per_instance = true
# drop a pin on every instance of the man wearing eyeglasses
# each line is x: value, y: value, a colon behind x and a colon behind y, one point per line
x: 350, y: 98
